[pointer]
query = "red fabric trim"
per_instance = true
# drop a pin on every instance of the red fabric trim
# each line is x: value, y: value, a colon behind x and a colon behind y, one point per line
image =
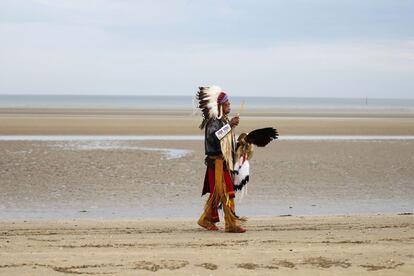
x: 209, y: 180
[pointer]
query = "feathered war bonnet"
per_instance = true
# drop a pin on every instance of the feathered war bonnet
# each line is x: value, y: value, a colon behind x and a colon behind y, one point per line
x: 210, y: 99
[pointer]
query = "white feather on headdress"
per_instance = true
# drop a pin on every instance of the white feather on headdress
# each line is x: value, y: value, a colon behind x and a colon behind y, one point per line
x: 207, y: 97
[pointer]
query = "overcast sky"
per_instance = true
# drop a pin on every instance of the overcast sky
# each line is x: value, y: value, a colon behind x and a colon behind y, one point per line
x: 309, y: 48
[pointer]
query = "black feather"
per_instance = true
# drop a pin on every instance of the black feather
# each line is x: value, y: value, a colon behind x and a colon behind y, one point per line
x: 261, y: 137
x: 242, y: 184
x: 203, y: 105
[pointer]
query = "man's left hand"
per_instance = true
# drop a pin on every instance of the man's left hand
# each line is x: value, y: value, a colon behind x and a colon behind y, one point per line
x: 234, y: 121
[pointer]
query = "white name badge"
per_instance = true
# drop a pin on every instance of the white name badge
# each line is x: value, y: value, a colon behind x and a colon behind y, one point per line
x: 223, y: 131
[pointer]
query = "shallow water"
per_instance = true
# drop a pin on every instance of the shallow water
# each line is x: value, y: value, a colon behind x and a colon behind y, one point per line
x: 168, y: 153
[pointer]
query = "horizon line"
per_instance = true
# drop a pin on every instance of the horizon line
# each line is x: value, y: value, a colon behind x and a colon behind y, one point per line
x: 236, y: 96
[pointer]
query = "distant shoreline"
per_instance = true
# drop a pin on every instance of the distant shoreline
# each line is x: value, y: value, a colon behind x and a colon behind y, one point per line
x: 355, y: 112
x: 188, y: 101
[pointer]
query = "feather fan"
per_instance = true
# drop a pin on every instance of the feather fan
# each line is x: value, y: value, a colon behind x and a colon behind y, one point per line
x: 244, y: 151
x: 261, y: 137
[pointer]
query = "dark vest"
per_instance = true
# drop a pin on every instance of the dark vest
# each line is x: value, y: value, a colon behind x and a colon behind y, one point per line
x: 211, y: 142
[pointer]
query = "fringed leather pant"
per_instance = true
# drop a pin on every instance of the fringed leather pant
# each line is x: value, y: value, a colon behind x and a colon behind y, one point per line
x: 221, y: 191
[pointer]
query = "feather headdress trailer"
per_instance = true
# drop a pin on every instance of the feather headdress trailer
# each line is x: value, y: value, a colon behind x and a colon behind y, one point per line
x: 244, y: 152
x: 207, y: 98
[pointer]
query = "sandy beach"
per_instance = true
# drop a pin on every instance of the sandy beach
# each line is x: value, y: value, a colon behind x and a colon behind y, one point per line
x: 315, y: 207
x: 342, y: 245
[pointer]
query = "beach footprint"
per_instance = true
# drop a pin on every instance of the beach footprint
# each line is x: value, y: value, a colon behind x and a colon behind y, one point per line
x: 322, y: 262
x: 387, y: 265
x: 283, y: 263
x: 249, y: 266
x: 208, y: 266
x: 162, y: 264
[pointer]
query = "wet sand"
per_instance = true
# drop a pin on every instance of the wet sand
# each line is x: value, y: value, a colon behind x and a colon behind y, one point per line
x: 163, y: 179
x: 342, y: 245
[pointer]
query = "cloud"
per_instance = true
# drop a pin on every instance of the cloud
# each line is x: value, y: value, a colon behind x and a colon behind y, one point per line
x: 49, y: 60
x: 96, y: 13
x: 170, y: 47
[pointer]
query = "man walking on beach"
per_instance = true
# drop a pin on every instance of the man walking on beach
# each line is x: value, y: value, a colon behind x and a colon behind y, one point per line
x: 219, y: 148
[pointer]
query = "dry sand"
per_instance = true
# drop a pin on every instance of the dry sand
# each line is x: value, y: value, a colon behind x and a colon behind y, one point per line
x: 357, y: 245
x: 87, y: 181
x: 161, y: 122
